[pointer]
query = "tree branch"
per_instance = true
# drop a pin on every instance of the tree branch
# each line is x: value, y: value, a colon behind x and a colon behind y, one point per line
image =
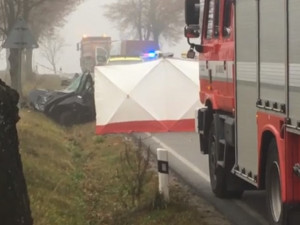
x: 35, y: 4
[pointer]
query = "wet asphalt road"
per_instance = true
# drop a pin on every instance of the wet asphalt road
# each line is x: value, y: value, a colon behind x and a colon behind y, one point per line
x: 189, y: 164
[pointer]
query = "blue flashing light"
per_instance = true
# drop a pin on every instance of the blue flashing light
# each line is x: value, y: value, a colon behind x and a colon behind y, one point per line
x: 150, y: 55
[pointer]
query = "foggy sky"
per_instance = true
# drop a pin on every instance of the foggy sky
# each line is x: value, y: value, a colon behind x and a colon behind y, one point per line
x: 88, y: 19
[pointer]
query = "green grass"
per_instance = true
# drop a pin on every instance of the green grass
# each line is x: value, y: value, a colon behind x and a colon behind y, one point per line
x: 74, y: 178
x: 51, y: 171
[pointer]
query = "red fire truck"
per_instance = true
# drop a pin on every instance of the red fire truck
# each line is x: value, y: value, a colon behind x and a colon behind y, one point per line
x: 249, y: 65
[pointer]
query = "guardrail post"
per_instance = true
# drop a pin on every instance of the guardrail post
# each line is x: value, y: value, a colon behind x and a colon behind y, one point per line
x: 163, y: 173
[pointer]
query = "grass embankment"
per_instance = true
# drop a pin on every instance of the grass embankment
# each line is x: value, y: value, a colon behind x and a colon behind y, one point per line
x: 77, y: 178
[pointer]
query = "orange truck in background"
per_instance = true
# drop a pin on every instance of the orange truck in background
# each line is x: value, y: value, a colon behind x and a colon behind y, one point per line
x: 93, y: 51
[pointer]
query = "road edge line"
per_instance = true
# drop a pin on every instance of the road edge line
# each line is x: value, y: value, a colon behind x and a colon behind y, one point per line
x: 183, y: 160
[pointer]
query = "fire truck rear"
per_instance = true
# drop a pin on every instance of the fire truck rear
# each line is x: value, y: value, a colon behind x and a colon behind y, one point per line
x: 249, y: 64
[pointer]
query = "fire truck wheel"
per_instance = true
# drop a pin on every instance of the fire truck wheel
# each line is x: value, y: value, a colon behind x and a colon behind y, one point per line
x: 276, y: 212
x: 216, y: 172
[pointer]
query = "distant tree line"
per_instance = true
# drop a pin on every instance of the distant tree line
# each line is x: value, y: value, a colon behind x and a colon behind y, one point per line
x: 148, y: 19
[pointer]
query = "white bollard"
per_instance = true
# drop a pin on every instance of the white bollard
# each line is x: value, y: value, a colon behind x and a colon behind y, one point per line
x: 163, y: 173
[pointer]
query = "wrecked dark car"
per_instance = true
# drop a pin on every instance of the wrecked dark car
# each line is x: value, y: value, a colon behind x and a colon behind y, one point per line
x: 72, y: 105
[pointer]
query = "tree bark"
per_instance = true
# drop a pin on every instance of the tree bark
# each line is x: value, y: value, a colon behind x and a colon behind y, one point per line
x: 15, y: 59
x: 28, y: 53
x: 14, y: 201
x: 13, y: 67
x: 28, y: 65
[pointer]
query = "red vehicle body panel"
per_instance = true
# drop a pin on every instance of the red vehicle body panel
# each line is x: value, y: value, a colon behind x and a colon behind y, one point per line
x: 221, y: 94
x: 288, y: 145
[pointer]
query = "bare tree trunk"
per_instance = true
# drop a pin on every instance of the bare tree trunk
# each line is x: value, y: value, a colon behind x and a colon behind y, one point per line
x: 13, y: 68
x: 23, y: 66
x: 139, y: 21
x: 15, y: 58
x: 54, y: 68
x: 28, y: 65
x: 28, y: 53
x: 7, y: 52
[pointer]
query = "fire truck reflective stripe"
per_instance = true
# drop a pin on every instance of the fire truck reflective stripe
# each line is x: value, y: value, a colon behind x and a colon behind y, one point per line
x: 246, y: 71
x: 272, y: 73
x: 219, y: 71
x: 294, y: 75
